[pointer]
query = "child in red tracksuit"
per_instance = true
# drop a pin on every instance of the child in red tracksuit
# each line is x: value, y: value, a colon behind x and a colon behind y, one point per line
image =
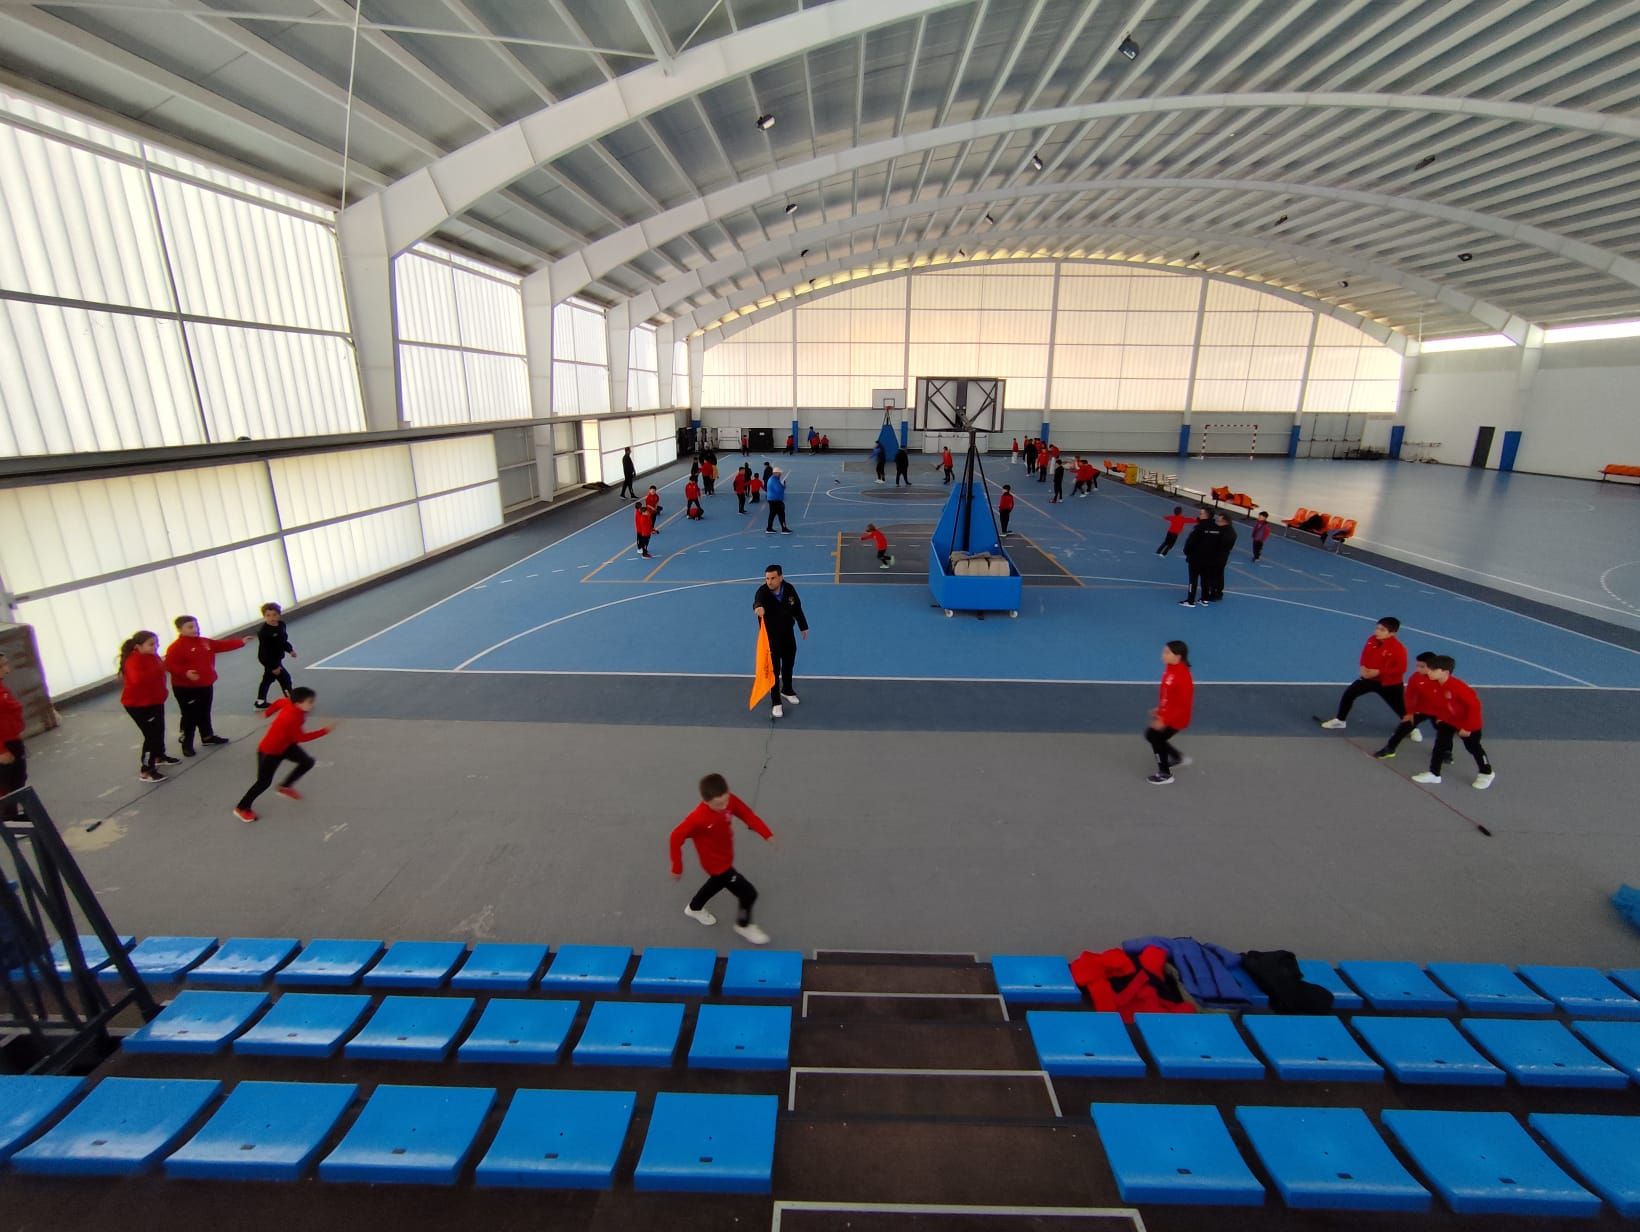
x: 1005, y: 506
x: 645, y: 522
x: 880, y: 540
x: 1421, y: 703
x: 756, y: 487
x: 710, y: 827
x: 1172, y: 713
x: 282, y: 741
x: 1175, y: 525
x: 1382, y: 669
x: 143, y: 695
x: 691, y: 501
x: 1458, y: 714
x: 652, y: 502
x: 191, y: 660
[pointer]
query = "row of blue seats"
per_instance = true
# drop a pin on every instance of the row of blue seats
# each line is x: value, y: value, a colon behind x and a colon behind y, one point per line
x: 1481, y: 1163
x: 1396, y: 987
x: 273, y: 1131
x: 1536, y: 1052
x: 516, y: 1030
x: 488, y: 966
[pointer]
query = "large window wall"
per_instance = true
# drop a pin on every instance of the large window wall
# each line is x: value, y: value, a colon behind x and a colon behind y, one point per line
x: 149, y: 300
x: 643, y: 381
x: 1067, y: 336
x: 461, y: 339
x: 580, y: 359
x: 89, y: 561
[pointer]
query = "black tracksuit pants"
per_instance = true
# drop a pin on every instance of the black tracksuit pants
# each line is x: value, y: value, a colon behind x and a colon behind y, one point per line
x: 783, y: 650
x: 195, y: 705
x: 150, y: 721
x: 731, y: 880
x: 1161, y: 743
x: 14, y: 777
x: 1394, y: 696
x: 271, y: 675
x: 1442, y: 752
x: 267, y: 765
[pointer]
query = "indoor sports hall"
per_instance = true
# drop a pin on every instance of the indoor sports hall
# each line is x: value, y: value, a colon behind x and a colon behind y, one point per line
x: 423, y: 355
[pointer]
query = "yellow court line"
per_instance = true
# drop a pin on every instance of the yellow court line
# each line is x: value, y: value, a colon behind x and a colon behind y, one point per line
x: 588, y: 577
x: 666, y: 560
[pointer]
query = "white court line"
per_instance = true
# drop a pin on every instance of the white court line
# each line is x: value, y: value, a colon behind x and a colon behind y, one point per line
x: 474, y: 585
x: 1006, y: 1212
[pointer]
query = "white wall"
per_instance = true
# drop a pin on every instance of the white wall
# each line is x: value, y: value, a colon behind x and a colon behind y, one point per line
x: 1454, y: 394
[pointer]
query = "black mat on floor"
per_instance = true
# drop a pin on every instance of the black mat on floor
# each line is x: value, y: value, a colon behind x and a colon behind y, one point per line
x: 968, y: 1097
x: 920, y: 1008
x: 867, y: 978
x: 947, y: 1221
x: 909, y: 1045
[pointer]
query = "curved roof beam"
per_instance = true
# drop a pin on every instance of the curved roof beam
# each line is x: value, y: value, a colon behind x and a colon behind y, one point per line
x: 585, y: 266
x: 702, y: 280
x: 1389, y: 337
x: 1489, y: 315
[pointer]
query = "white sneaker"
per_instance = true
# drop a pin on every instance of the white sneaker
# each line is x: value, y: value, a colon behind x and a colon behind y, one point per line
x: 778, y: 712
x: 1417, y: 736
x: 703, y: 916
x: 1334, y: 724
x: 1426, y: 777
x: 789, y: 698
x: 1184, y: 761
x: 1483, y: 781
x: 753, y: 933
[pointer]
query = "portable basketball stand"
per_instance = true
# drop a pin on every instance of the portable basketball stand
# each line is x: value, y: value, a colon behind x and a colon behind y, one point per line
x: 968, y: 525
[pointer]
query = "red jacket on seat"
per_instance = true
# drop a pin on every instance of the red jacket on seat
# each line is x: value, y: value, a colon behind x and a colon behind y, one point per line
x: 1115, y: 982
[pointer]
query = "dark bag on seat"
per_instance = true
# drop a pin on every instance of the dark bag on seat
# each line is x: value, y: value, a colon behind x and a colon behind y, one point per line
x: 1277, y: 973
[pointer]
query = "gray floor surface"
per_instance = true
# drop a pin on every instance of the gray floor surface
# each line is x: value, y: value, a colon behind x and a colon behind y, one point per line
x: 527, y: 820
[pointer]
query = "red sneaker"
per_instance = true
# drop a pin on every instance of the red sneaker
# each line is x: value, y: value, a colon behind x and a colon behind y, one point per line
x: 290, y: 793
x: 244, y: 814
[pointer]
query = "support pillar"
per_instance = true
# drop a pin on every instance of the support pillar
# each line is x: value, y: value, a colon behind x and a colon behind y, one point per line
x: 697, y: 365
x: 618, y: 337
x: 367, y: 281
x: 538, y: 302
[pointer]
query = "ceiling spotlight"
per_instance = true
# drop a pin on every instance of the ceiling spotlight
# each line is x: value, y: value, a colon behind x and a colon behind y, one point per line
x: 1036, y: 161
x: 1128, y: 48
x: 1424, y: 162
x: 766, y: 121
x: 802, y: 254
x: 1344, y: 283
x: 990, y: 220
x: 1466, y: 256
x: 1280, y: 220
x: 1195, y: 255
x: 961, y: 253
x: 791, y: 207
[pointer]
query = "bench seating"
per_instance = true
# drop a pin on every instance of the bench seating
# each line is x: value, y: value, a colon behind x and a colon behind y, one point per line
x: 1616, y: 470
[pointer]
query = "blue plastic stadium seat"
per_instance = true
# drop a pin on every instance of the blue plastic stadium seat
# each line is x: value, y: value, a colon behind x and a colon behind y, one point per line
x: 1582, y: 991
x: 667, y: 969
x: 331, y: 963
x: 27, y: 1102
x: 741, y: 1037
x: 1484, y: 1163
x: 1398, y: 987
x: 1540, y: 1053
x: 558, y: 1140
x: 1306, y: 1048
x: 1330, y: 1159
x: 412, y: 1029
x: 1489, y: 988
x: 304, y: 1024
x: 1629, y: 979
x: 410, y: 1135
x: 709, y: 1144
x: 1427, y: 1051
x: 1084, y: 1044
x: 762, y: 973
x: 587, y: 968
x: 244, y: 961
x: 495, y: 966
x: 1176, y: 1154
x: 1618, y: 1042
x: 92, y: 950
x: 264, y: 1131
x: 1257, y: 998
x: 1035, y: 979
x: 519, y: 1031
x: 630, y: 1033
x: 120, y: 1128
x: 198, y: 1021
x: 1604, y: 1151
x: 1315, y: 971
x: 415, y: 964
x: 164, y: 959
x: 1197, y: 1046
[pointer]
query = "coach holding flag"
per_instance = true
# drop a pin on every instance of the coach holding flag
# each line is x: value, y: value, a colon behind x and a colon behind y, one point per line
x: 779, y: 609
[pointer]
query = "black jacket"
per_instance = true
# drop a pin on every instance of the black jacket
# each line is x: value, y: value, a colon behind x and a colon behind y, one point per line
x: 1226, y: 543
x: 780, y: 615
x: 901, y: 460
x: 627, y: 468
x: 272, y: 644
x: 1202, y: 545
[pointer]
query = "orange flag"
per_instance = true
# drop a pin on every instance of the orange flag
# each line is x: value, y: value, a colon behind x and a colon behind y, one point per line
x: 763, y: 681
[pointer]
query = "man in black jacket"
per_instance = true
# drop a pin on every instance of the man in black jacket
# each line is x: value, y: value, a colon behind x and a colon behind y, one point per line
x: 1201, y: 550
x: 781, y: 611
x: 1213, y: 590
x: 628, y: 474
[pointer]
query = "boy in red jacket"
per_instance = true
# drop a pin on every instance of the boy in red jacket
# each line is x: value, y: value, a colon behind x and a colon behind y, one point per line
x: 756, y: 487
x: 1458, y: 713
x: 652, y: 502
x: 739, y: 485
x: 645, y: 522
x: 1421, y: 703
x: 947, y: 463
x: 191, y: 660
x: 1172, y: 713
x: 880, y: 540
x: 691, y: 501
x: 710, y: 827
x: 1176, y: 522
x: 282, y: 741
x: 1383, y: 668
x: 1005, y: 506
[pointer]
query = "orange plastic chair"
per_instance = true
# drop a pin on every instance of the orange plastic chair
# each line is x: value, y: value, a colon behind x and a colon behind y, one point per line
x: 1297, y: 517
x: 1334, y: 522
x: 1348, y: 529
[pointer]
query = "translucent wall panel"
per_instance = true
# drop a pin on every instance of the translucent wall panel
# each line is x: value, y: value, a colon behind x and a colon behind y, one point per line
x: 643, y: 390
x: 498, y: 387
x: 592, y: 464
x: 680, y: 374
x: 77, y: 225
x: 36, y: 113
x: 57, y: 532
x: 1350, y: 372
x: 264, y: 383
x: 457, y: 515
x: 80, y: 631
x: 641, y: 351
x: 987, y: 322
x: 457, y: 462
x: 753, y: 368
x: 327, y: 557
x: 75, y: 381
x: 476, y: 372
x: 578, y: 333
x: 491, y: 312
x: 244, y: 261
x: 424, y: 300
x: 580, y: 369
x: 315, y: 487
x: 849, y: 344
x: 432, y: 384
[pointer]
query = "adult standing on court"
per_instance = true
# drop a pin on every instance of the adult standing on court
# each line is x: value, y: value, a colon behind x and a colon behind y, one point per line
x: 1221, y: 559
x: 628, y: 474
x: 902, y: 467
x: 777, y: 503
x: 1200, y: 550
x: 1383, y: 670
x: 776, y: 604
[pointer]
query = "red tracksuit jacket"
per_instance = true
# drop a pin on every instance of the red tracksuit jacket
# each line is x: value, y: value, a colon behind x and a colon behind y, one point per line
x: 1177, y: 698
x: 11, y: 716
x: 1458, y: 705
x: 197, y: 655
x: 877, y: 537
x: 285, y: 728
x: 713, y: 835
x: 1388, y: 656
x: 144, y: 680
x: 1423, y: 696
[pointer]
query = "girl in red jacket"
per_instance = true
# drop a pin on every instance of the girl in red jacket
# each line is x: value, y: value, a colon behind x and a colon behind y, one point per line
x: 144, y: 700
x: 282, y: 741
x: 1172, y: 713
x: 1005, y: 506
x: 1457, y: 713
x: 645, y: 522
x: 191, y: 660
x: 13, y: 757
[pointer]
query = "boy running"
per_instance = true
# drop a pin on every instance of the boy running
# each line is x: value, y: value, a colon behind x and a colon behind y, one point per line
x: 282, y: 741
x: 1175, y: 527
x: 1458, y: 713
x: 1421, y: 704
x: 711, y: 829
x: 880, y: 541
x: 1383, y: 668
x: 272, y: 645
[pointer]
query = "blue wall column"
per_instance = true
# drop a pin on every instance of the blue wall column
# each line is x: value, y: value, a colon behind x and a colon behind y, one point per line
x: 905, y: 435
x: 1511, y: 446
x: 1044, y: 437
x: 1397, y: 436
x: 1292, y: 442
x: 1184, y: 440
x: 797, y: 441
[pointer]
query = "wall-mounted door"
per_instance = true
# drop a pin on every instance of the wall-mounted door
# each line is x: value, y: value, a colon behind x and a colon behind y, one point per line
x: 1483, y: 447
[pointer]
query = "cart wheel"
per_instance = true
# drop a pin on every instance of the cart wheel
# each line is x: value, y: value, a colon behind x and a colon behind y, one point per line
x: 949, y: 612
x: 1013, y: 615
